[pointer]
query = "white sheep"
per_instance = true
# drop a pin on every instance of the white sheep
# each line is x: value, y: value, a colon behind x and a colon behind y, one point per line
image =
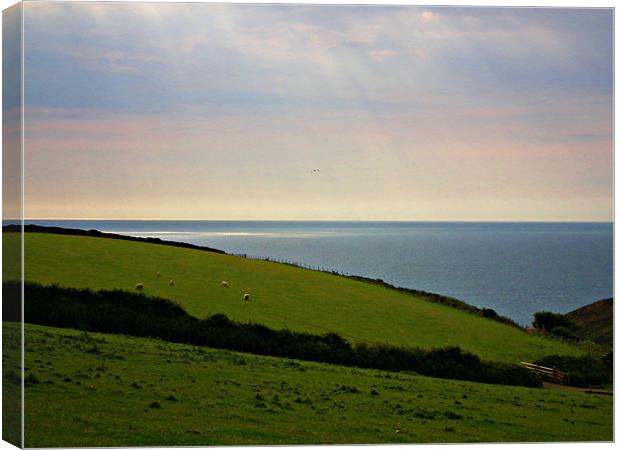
x: 171, y: 283
x: 246, y: 297
x: 140, y: 286
x: 158, y: 274
x: 224, y: 284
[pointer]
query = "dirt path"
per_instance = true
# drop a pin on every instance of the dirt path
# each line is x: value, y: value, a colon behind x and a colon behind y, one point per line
x: 561, y: 387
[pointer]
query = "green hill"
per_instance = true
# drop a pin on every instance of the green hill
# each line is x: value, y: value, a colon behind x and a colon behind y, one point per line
x: 595, y: 322
x: 87, y: 390
x: 282, y: 296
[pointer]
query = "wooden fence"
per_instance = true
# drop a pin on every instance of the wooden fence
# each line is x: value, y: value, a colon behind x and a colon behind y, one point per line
x: 547, y: 373
x: 293, y: 263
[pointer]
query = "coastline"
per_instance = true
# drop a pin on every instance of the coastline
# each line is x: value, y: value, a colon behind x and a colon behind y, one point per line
x: 428, y: 296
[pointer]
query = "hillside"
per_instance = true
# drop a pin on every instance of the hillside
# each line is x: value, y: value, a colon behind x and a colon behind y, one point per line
x: 93, y: 389
x: 282, y: 296
x: 595, y: 322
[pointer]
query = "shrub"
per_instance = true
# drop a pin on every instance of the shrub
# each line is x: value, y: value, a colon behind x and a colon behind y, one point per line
x: 545, y: 320
x: 489, y: 313
x: 583, y: 371
x: 563, y: 333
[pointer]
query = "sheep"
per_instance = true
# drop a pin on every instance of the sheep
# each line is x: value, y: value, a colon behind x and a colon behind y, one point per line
x: 171, y: 283
x: 140, y: 286
x: 158, y: 274
x: 224, y: 284
x: 246, y: 297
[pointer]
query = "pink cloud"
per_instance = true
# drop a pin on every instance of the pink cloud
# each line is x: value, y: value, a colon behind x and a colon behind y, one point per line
x: 380, y: 54
x: 429, y: 16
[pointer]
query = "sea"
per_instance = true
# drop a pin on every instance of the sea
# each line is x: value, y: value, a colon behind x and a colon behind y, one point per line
x: 514, y: 268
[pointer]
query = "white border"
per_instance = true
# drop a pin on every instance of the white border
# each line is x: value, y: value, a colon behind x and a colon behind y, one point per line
x: 514, y: 3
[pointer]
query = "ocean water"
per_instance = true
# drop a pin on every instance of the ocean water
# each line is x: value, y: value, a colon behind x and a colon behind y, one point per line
x: 514, y: 268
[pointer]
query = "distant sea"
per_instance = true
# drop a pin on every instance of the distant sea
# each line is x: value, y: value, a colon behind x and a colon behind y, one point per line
x: 514, y: 268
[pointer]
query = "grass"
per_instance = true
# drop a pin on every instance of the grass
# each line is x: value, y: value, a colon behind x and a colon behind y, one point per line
x: 595, y: 322
x: 11, y: 383
x: 282, y: 296
x: 105, y: 390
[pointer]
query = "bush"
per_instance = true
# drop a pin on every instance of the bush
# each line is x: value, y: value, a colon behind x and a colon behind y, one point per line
x: 583, y: 371
x: 563, y: 333
x: 489, y: 313
x: 137, y: 315
x: 545, y: 320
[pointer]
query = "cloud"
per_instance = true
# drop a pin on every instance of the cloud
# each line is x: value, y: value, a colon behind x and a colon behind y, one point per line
x: 429, y: 16
x: 212, y: 50
x: 380, y: 54
x: 440, y: 103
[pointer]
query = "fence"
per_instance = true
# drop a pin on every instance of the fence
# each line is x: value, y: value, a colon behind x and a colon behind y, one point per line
x: 547, y: 373
x: 293, y: 263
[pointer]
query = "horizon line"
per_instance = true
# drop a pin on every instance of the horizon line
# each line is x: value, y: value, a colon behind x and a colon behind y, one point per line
x: 314, y: 220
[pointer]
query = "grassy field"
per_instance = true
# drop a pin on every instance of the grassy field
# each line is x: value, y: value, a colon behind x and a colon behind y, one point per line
x: 11, y: 386
x: 282, y: 296
x: 107, y: 390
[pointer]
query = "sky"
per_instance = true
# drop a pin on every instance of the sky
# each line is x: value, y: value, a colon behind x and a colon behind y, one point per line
x: 222, y: 111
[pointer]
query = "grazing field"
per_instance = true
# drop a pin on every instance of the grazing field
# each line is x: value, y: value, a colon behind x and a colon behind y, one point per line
x: 282, y: 296
x: 107, y: 390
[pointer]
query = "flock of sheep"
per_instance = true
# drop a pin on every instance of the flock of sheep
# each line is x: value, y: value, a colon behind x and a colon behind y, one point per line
x: 140, y: 286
